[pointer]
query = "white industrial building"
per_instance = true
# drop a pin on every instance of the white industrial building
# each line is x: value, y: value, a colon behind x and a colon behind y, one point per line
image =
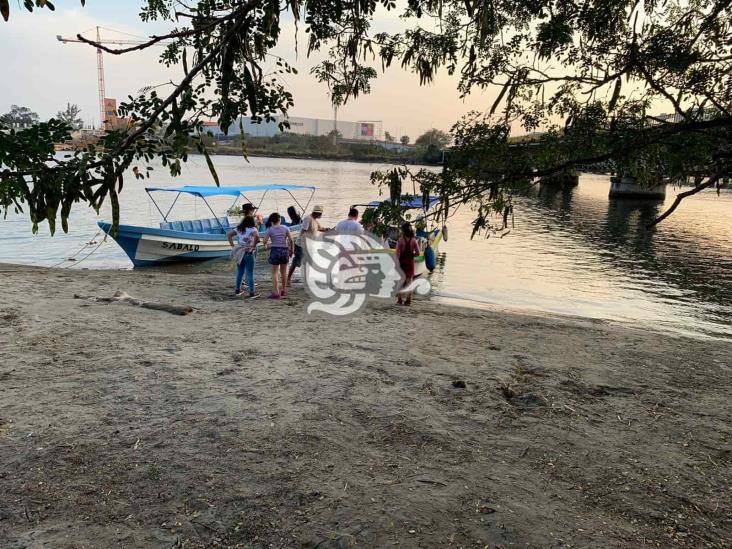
x: 365, y: 130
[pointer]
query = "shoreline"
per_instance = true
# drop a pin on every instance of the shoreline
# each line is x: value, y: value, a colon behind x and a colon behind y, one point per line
x: 451, y: 299
x: 324, y: 157
x: 435, y: 425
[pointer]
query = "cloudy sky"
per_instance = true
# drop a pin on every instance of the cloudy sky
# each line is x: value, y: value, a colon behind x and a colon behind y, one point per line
x: 44, y: 74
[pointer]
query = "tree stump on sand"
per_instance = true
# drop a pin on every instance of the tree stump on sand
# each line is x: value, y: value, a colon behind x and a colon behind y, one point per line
x: 123, y: 297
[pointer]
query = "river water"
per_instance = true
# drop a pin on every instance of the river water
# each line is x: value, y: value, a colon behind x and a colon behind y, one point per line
x: 571, y: 252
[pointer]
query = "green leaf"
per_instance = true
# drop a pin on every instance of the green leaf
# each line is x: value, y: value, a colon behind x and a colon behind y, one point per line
x: 5, y: 9
x: 615, y: 97
x: 210, y: 164
x: 500, y: 96
x: 251, y: 90
x: 243, y: 141
x: 114, y: 199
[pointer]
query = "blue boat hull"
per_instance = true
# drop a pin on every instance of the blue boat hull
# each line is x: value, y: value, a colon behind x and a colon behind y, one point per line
x: 147, y: 246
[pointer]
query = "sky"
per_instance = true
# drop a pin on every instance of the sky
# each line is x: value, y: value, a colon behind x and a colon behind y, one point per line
x: 44, y: 74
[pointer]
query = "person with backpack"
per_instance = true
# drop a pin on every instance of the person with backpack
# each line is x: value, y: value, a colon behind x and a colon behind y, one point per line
x: 244, y: 252
x: 309, y: 227
x: 407, y: 249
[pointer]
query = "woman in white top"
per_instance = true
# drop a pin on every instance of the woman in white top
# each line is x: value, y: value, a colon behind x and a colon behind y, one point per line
x: 244, y: 252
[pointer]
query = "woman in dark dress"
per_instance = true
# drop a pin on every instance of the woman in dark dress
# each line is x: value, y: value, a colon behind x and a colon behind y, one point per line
x: 407, y: 249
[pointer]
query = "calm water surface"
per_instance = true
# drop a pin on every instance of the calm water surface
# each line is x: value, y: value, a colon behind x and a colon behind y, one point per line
x: 570, y: 252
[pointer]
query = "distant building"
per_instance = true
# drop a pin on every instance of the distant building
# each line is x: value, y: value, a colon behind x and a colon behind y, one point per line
x: 110, y: 113
x: 212, y: 128
x: 362, y: 130
x: 111, y: 120
x: 396, y: 147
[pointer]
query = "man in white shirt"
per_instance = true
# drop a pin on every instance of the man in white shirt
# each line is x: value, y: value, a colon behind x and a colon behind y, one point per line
x: 350, y: 225
x: 310, y: 226
x: 311, y: 223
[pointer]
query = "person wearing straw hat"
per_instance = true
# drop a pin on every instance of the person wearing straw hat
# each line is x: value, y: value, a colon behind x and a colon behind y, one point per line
x: 249, y: 210
x: 311, y: 227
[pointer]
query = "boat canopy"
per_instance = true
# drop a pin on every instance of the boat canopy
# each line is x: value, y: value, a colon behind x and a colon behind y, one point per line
x: 204, y: 191
x: 410, y: 202
x: 237, y: 192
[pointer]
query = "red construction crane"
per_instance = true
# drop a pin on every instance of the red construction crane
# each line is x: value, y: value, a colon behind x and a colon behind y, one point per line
x: 100, y: 64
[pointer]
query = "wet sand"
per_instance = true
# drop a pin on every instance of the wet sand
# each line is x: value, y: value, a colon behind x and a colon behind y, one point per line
x: 249, y: 424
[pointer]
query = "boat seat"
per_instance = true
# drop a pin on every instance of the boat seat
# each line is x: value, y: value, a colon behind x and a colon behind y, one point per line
x: 216, y: 226
x: 196, y: 225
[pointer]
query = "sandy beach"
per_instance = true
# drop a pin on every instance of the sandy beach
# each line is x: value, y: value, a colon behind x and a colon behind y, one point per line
x: 248, y: 424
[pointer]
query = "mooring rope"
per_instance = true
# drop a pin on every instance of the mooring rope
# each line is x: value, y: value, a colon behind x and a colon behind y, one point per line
x: 89, y: 254
x: 73, y: 256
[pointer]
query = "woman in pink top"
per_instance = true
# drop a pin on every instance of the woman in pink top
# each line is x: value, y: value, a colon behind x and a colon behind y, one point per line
x: 281, y: 250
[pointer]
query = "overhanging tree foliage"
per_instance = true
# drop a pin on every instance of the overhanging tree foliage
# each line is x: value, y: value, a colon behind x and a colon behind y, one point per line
x: 593, y: 76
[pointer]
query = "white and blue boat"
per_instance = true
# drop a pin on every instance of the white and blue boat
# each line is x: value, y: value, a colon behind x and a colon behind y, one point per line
x: 193, y: 239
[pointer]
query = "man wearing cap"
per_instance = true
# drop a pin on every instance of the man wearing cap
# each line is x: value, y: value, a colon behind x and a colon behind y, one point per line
x: 311, y: 227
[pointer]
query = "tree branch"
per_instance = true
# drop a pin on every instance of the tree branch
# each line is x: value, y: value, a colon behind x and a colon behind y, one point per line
x: 679, y: 197
x: 153, y: 40
x: 156, y: 39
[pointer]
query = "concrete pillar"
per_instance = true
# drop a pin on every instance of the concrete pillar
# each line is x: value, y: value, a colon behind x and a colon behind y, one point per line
x: 628, y: 187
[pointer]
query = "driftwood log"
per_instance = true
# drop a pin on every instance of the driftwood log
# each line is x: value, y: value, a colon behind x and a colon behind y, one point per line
x: 123, y: 297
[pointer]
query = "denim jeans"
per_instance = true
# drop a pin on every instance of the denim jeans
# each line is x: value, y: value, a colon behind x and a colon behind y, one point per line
x: 246, y: 267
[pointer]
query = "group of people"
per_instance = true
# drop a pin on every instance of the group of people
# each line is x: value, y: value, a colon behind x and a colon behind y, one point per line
x: 244, y: 239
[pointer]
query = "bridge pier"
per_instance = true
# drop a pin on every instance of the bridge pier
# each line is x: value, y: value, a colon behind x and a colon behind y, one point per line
x: 628, y: 187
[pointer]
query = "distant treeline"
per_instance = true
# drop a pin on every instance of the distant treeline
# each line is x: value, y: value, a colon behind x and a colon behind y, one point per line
x: 325, y: 147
